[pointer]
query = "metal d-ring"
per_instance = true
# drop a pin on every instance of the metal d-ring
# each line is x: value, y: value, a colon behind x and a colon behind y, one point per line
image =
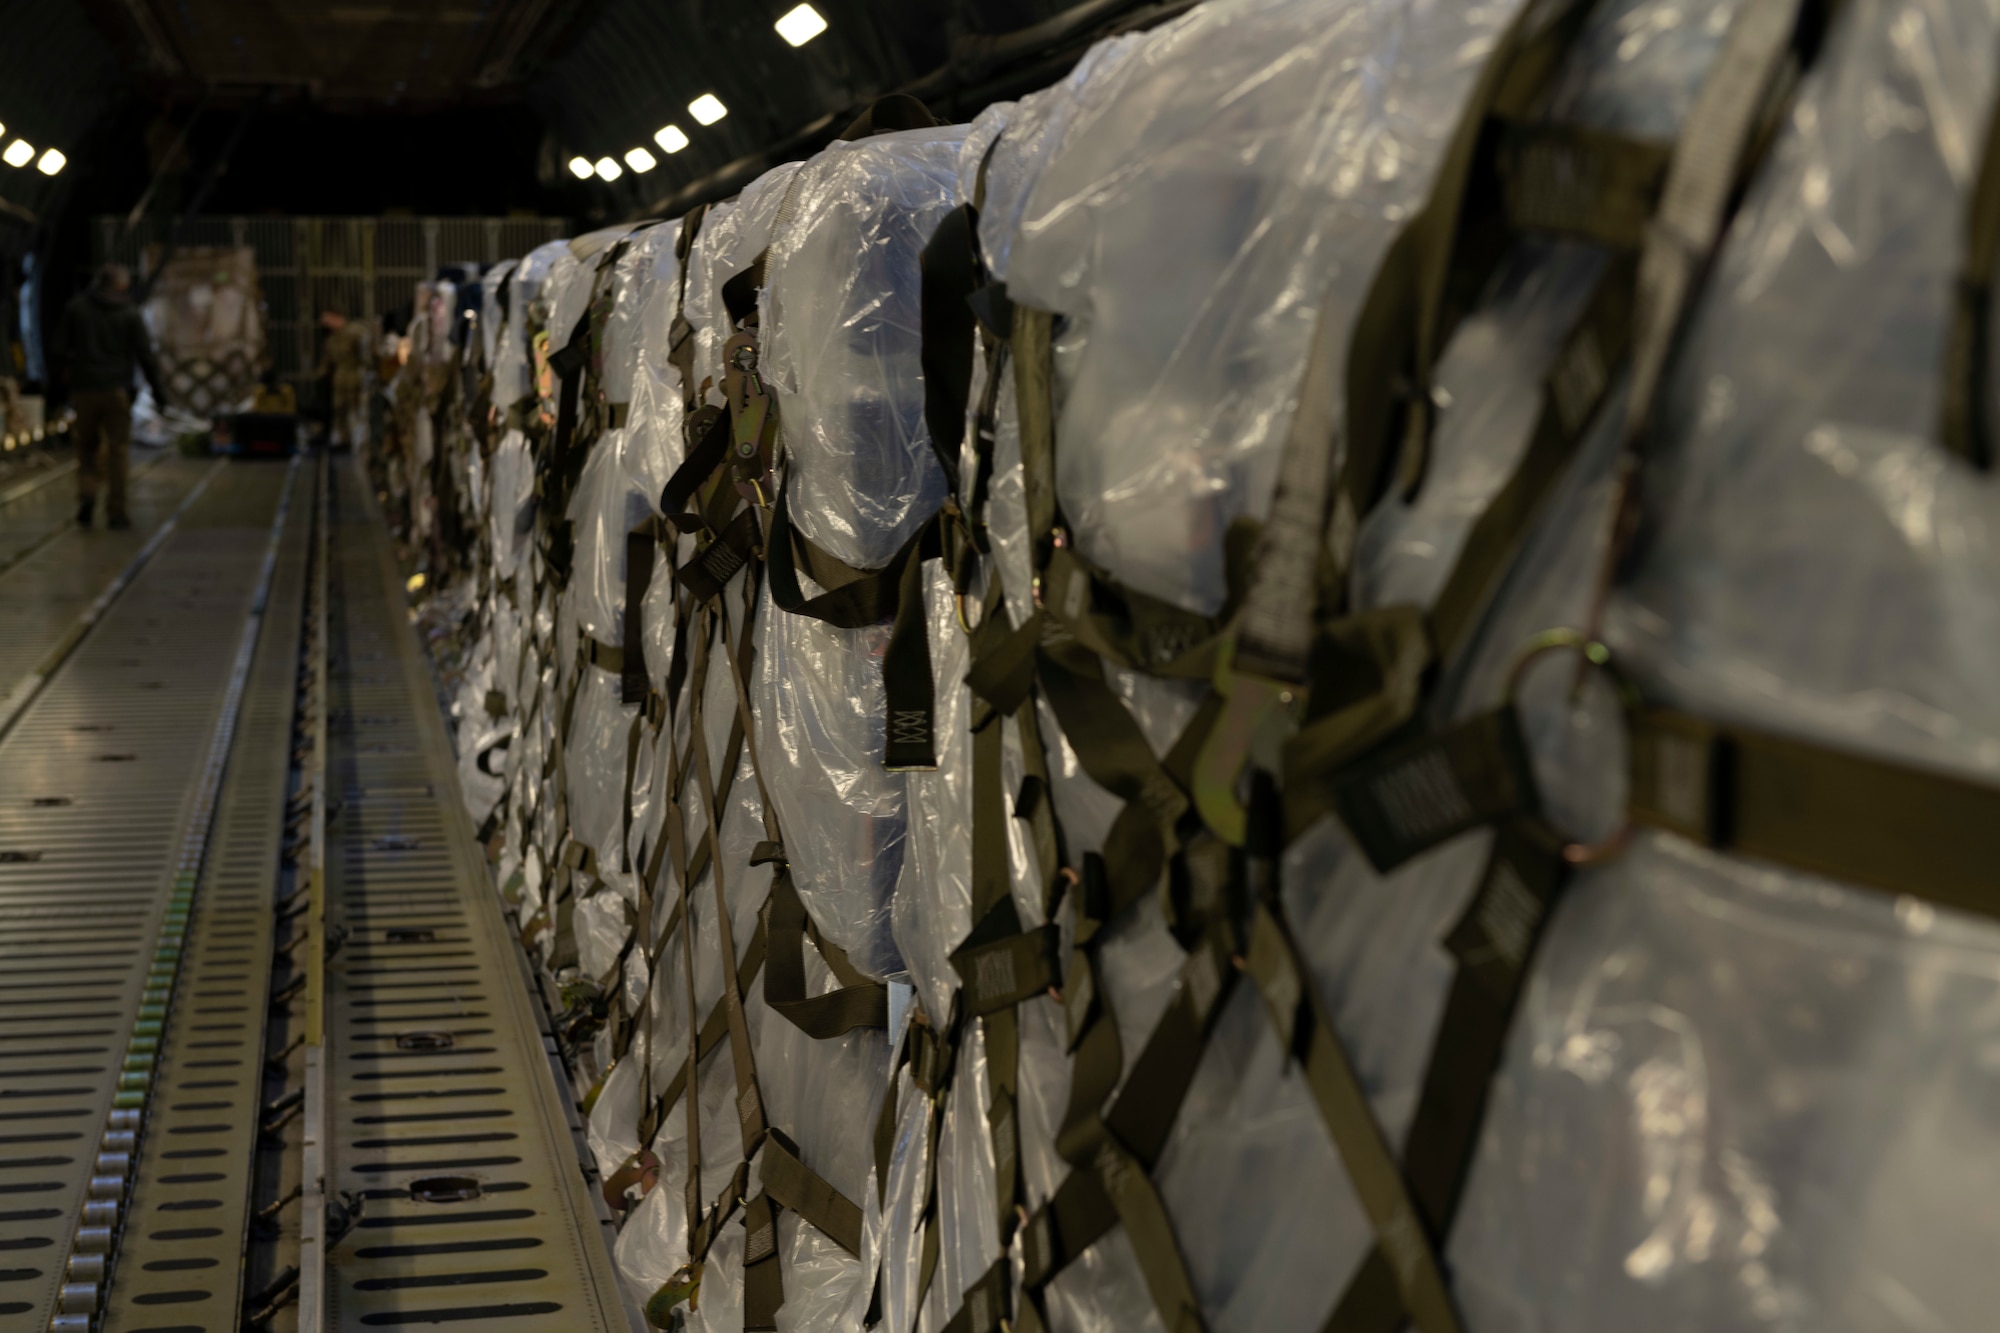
x: 1598, y: 657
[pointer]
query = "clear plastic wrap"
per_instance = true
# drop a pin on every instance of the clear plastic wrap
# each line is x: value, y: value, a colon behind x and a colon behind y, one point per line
x: 492, y: 320
x: 732, y: 236
x: 513, y: 357
x: 843, y: 347
x: 842, y: 355
x: 1737, y: 1095
x: 1265, y: 153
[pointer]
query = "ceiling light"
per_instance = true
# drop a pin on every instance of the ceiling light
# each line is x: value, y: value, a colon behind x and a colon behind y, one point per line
x: 19, y: 153
x: 608, y: 169
x: 671, y: 138
x: 640, y: 160
x: 801, y: 25
x: 580, y: 168
x: 52, y: 162
x: 707, y: 109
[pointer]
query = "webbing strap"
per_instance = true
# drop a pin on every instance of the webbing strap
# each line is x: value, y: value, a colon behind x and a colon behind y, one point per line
x: 1868, y: 821
x: 1573, y: 389
x: 950, y: 274
x: 715, y: 1024
x: 1418, y: 795
x: 1725, y: 134
x: 798, y: 1187
x: 1033, y: 354
x: 1114, y: 1152
x: 763, y: 1285
x: 1306, y: 1031
x: 1397, y: 335
x: 1493, y: 945
x: 706, y: 436
x: 853, y: 597
x: 1965, y: 421
x: 606, y: 657
x: 1578, y: 181
x: 641, y: 544
x: 749, y: 1099
x: 721, y: 559
x: 888, y: 114
x: 857, y: 1002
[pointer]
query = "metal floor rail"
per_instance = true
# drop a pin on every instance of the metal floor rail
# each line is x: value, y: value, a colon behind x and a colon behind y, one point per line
x: 444, y: 1117
x: 101, y: 789
x: 146, y: 797
x: 179, y: 1265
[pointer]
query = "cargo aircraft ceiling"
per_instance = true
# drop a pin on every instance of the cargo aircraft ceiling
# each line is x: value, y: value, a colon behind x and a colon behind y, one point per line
x: 680, y: 97
x: 345, y: 54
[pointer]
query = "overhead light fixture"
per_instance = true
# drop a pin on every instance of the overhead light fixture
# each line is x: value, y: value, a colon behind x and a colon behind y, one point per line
x: 608, y: 169
x: 801, y: 25
x: 19, y: 153
x: 670, y: 138
x: 707, y: 109
x: 580, y: 168
x: 641, y: 161
x: 52, y: 162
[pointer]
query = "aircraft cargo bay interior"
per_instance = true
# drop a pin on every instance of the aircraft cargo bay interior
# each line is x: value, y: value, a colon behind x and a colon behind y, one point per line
x: 999, y: 666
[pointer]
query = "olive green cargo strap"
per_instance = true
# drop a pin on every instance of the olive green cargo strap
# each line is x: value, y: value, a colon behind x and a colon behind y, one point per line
x: 680, y: 333
x: 714, y: 1026
x: 1306, y: 1031
x: 888, y: 114
x: 1573, y: 180
x: 1493, y: 944
x: 1891, y: 827
x: 858, y: 1002
x: 933, y: 1062
x: 1033, y: 354
x: 798, y: 1187
x: 606, y: 657
x: 854, y: 598
x: 1113, y: 1152
x: 721, y: 559
x: 635, y: 682
x: 985, y: 1309
x: 1726, y: 134
x: 1965, y: 421
x: 763, y: 1284
x: 705, y: 438
x: 749, y: 1098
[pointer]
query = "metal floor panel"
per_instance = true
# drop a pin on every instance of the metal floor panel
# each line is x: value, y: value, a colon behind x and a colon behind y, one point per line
x: 445, y: 1118
x: 179, y: 1264
x: 98, y: 779
x: 50, y: 569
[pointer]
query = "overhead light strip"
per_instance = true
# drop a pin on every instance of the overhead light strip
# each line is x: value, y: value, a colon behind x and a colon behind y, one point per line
x: 799, y: 25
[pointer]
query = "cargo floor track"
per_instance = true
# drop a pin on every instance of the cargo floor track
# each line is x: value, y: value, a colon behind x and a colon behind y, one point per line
x: 268, y: 1054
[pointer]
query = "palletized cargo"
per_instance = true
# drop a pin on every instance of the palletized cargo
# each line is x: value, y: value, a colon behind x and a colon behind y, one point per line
x: 1252, y: 663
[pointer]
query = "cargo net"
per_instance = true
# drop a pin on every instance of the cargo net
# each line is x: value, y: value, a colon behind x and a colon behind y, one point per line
x: 206, y: 312
x: 1334, y: 676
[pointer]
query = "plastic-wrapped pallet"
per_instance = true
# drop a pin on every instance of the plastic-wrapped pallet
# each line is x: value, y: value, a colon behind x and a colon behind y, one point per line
x: 1733, y: 1083
x: 641, y: 1113
x: 1687, y: 1124
x: 1152, y: 156
x: 1637, y: 1082
x: 836, y: 244
x: 618, y: 490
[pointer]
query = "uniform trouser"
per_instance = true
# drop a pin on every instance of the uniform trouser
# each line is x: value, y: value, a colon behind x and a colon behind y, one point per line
x: 350, y: 421
x: 103, y: 445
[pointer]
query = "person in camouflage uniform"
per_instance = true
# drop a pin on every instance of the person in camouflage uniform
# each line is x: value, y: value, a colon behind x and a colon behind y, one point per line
x: 344, y: 356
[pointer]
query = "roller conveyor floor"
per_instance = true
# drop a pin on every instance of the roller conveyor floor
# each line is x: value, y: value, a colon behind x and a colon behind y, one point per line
x: 267, y: 1054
